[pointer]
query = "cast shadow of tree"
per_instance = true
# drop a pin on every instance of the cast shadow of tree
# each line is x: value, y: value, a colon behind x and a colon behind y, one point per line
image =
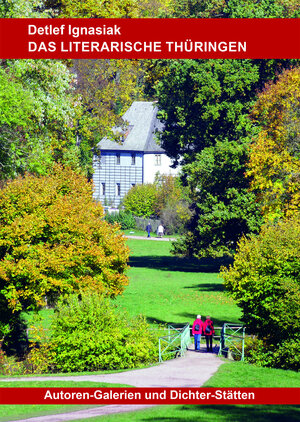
x: 190, y: 317
x: 233, y: 413
x: 174, y: 263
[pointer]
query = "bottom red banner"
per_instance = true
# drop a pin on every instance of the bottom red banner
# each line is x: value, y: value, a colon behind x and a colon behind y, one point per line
x: 159, y: 396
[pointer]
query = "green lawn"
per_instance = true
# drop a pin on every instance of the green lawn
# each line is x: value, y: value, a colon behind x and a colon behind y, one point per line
x: 166, y: 288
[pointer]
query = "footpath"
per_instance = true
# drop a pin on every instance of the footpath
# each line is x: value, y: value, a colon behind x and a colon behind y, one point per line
x: 159, y: 239
x: 191, y: 370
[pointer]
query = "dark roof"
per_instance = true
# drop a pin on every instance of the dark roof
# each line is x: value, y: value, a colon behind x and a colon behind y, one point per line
x: 140, y: 130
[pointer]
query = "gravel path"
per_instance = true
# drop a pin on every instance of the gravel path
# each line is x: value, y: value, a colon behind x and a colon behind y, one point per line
x: 191, y: 370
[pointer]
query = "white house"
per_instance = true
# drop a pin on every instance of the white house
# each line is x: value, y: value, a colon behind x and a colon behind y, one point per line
x: 135, y: 159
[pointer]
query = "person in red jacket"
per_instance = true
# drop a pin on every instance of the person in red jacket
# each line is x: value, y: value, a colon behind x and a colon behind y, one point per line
x: 208, y: 331
x: 197, y: 331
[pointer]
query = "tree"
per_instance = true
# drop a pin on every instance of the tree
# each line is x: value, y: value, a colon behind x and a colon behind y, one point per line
x: 223, y: 208
x: 205, y: 107
x: 171, y: 204
x: 234, y: 9
x: 38, y: 117
x: 274, y: 165
x: 265, y: 282
x: 95, y: 8
x: 54, y: 241
x: 106, y: 88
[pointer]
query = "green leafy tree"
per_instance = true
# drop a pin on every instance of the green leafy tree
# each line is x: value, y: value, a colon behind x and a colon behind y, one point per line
x: 223, y: 208
x: 265, y: 282
x: 205, y: 107
x: 54, y: 241
x: 38, y: 117
x: 140, y: 200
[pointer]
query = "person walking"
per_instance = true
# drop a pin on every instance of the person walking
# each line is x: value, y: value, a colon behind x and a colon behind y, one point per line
x: 208, y: 331
x: 160, y: 230
x: 197, y: 331
x: 148, y: 229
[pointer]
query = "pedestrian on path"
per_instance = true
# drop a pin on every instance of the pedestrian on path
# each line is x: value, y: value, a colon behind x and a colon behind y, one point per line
x: 208, y: 331
x: 197, y: 331
x: 160, y: 230
x: 148, y: 229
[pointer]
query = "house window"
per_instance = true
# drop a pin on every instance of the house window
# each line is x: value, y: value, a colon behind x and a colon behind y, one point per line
x: 102, y: 191
x: 133, y: 156
x: 118, y: 189
x: 157, y: 159
x: 103, y: 159
x: 118, y: 159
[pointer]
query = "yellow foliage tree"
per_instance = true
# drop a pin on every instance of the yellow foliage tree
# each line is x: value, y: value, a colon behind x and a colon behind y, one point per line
x: 274, y: 164
x: 54, y: 241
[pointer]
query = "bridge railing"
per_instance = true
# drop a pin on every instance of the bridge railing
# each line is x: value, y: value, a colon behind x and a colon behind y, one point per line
x: 176, y: 342
x: 232, y: 340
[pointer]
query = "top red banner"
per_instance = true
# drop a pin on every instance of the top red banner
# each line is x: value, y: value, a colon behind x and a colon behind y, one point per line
x: 150, y: 38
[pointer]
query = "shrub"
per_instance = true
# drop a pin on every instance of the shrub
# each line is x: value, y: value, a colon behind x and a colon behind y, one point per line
x: 53, y: 241
x: 123, y: 218
x: 92, y: 334
x: 265, y: 281
x: 140, y: 200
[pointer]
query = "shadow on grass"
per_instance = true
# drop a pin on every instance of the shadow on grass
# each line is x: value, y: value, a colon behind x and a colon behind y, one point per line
x: 151, y: 320
x: 207, y: 287
x: 191, y: 317
x: 174, y: 263
x: 233, y: 413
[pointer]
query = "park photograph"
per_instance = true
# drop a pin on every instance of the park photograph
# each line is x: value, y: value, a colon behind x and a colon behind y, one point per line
x: 149, y: 223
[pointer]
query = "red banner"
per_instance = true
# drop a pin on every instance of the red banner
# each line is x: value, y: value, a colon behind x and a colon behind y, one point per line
x: 153, y: 396
x: 150, y: 38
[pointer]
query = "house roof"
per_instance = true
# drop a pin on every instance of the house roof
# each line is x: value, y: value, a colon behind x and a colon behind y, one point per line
x: 140, y: 130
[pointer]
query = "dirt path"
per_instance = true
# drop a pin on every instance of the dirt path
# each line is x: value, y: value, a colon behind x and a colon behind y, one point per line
x: 191, y: 370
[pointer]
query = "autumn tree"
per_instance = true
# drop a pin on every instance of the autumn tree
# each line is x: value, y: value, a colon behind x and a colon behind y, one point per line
x: 107, y: 89
x: 54, y: 241
x: 234, y: 9
x: 274, y: 165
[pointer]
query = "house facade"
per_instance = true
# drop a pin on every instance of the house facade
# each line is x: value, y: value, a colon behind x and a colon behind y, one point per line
x: 135, y: 159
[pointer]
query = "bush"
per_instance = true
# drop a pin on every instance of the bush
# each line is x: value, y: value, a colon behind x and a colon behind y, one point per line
x: 265, y: 281
x: 53, y: 241
x: 140, y: 200
x: 92, y: 334
x: 123, y: 218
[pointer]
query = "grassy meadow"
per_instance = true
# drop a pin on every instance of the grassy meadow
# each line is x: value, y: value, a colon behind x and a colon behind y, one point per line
x: 166, y: 288
x: 169, y: 289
